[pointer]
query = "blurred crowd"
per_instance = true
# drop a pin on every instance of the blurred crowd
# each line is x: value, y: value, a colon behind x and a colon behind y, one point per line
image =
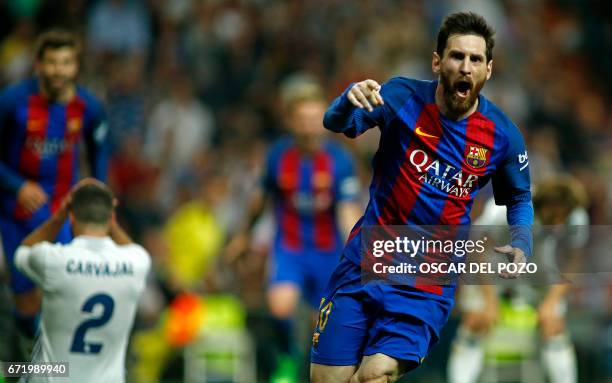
x: 191, y: 95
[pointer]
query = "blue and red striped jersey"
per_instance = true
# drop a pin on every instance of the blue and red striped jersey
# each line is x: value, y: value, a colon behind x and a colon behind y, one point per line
x: 428, y: 168
x: 306, y: 190
x: 41, y: 140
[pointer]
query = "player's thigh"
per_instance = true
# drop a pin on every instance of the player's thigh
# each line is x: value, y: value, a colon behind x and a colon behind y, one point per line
x: 283, y: 298
x: 320, y: 373
x: 345, y: 313
x: 381, y: 368
x: 408, y: 325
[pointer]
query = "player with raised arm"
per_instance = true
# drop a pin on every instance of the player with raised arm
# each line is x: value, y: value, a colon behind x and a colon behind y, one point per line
x: 91, y: 286
x: 310, y: 180
x: 441, y: 142
x: 42, y: 121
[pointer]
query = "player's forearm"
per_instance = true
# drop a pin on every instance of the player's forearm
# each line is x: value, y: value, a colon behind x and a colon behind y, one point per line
x: 338, y: 114
x: 118, y: 235
x: 10, y: 179
x: 341, y: 117
x: 48, y: 231
x: 520, y: 220
x: 256, y: 209
x: 349, y: 213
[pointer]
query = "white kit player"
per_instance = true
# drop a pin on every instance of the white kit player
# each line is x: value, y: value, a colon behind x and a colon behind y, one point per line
x: 91, y: 287
x: 559, y: 202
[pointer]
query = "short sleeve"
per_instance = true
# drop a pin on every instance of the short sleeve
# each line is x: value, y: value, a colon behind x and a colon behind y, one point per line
x: 141, y: 260
x: 35, y: 261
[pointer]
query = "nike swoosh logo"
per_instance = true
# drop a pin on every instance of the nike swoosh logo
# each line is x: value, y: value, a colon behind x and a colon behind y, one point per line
x: 422, y: 133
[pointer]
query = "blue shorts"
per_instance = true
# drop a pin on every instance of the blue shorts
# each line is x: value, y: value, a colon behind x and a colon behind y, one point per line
x: 310, y: 271
x: 357, y: 320
x: 13, y: 232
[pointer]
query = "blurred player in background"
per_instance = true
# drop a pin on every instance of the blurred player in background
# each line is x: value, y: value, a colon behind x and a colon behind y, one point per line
x: 42, y: 121
x: 310, y: 180
x: 91, y: 286
x: 559, y: 201
x: 441, y: 142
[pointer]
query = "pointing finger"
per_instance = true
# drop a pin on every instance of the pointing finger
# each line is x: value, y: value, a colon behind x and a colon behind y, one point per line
x: 362, y: 98
x: 373, y: 91
x: 371, y: 84
x: 378, y: 97
x: 371, y: 95
x: 351, y: 97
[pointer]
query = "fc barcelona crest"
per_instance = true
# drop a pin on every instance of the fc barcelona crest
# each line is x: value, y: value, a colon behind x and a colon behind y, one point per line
x: 476, y: 156
x: 74, y: 125
x: 321, y: 180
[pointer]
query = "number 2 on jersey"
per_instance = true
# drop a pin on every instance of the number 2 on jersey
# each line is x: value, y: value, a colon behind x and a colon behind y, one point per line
x: 78, y: 341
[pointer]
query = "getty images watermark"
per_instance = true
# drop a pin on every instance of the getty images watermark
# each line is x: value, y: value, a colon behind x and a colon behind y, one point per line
x: 449, y: 255
x: 456, y: 249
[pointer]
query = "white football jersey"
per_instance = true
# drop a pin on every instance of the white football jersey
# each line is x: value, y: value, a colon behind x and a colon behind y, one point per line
x: 91, y: 289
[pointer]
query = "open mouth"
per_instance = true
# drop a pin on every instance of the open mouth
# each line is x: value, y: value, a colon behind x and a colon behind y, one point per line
x: 57, y: 82
x: 462, y: 88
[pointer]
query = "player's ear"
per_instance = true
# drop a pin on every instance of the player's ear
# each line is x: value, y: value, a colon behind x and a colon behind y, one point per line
x: 489, y: 69
x: 435, y: 63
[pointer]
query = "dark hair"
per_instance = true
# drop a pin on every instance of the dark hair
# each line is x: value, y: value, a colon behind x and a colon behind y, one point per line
x: 466, y: 23
x: 92, y: 204
x: 55, y: 39
x: 560, y: 190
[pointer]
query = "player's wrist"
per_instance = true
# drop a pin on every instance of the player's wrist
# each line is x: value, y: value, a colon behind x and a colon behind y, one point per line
x: 345, y: 103
x: 18, y: 186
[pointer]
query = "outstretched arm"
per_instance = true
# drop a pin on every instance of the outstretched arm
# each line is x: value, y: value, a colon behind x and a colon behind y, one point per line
x: 356, y: 110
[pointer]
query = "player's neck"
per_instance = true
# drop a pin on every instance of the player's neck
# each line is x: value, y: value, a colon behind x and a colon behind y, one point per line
x: 63, y: 96
x: 308, y: 150
x: 98, y: 231
x: 442, y: 107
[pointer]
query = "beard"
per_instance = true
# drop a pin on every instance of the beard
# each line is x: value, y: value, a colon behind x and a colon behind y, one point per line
x: 55, y: 86
x: 455, y: 104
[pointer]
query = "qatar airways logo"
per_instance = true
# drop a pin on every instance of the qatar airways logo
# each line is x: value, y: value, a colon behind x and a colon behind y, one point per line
x: 443, y: 176
x: 49, y: 147
x: 309, y: 202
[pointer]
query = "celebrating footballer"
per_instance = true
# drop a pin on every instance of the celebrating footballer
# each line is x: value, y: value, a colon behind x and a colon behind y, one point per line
x: 377, y: 332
